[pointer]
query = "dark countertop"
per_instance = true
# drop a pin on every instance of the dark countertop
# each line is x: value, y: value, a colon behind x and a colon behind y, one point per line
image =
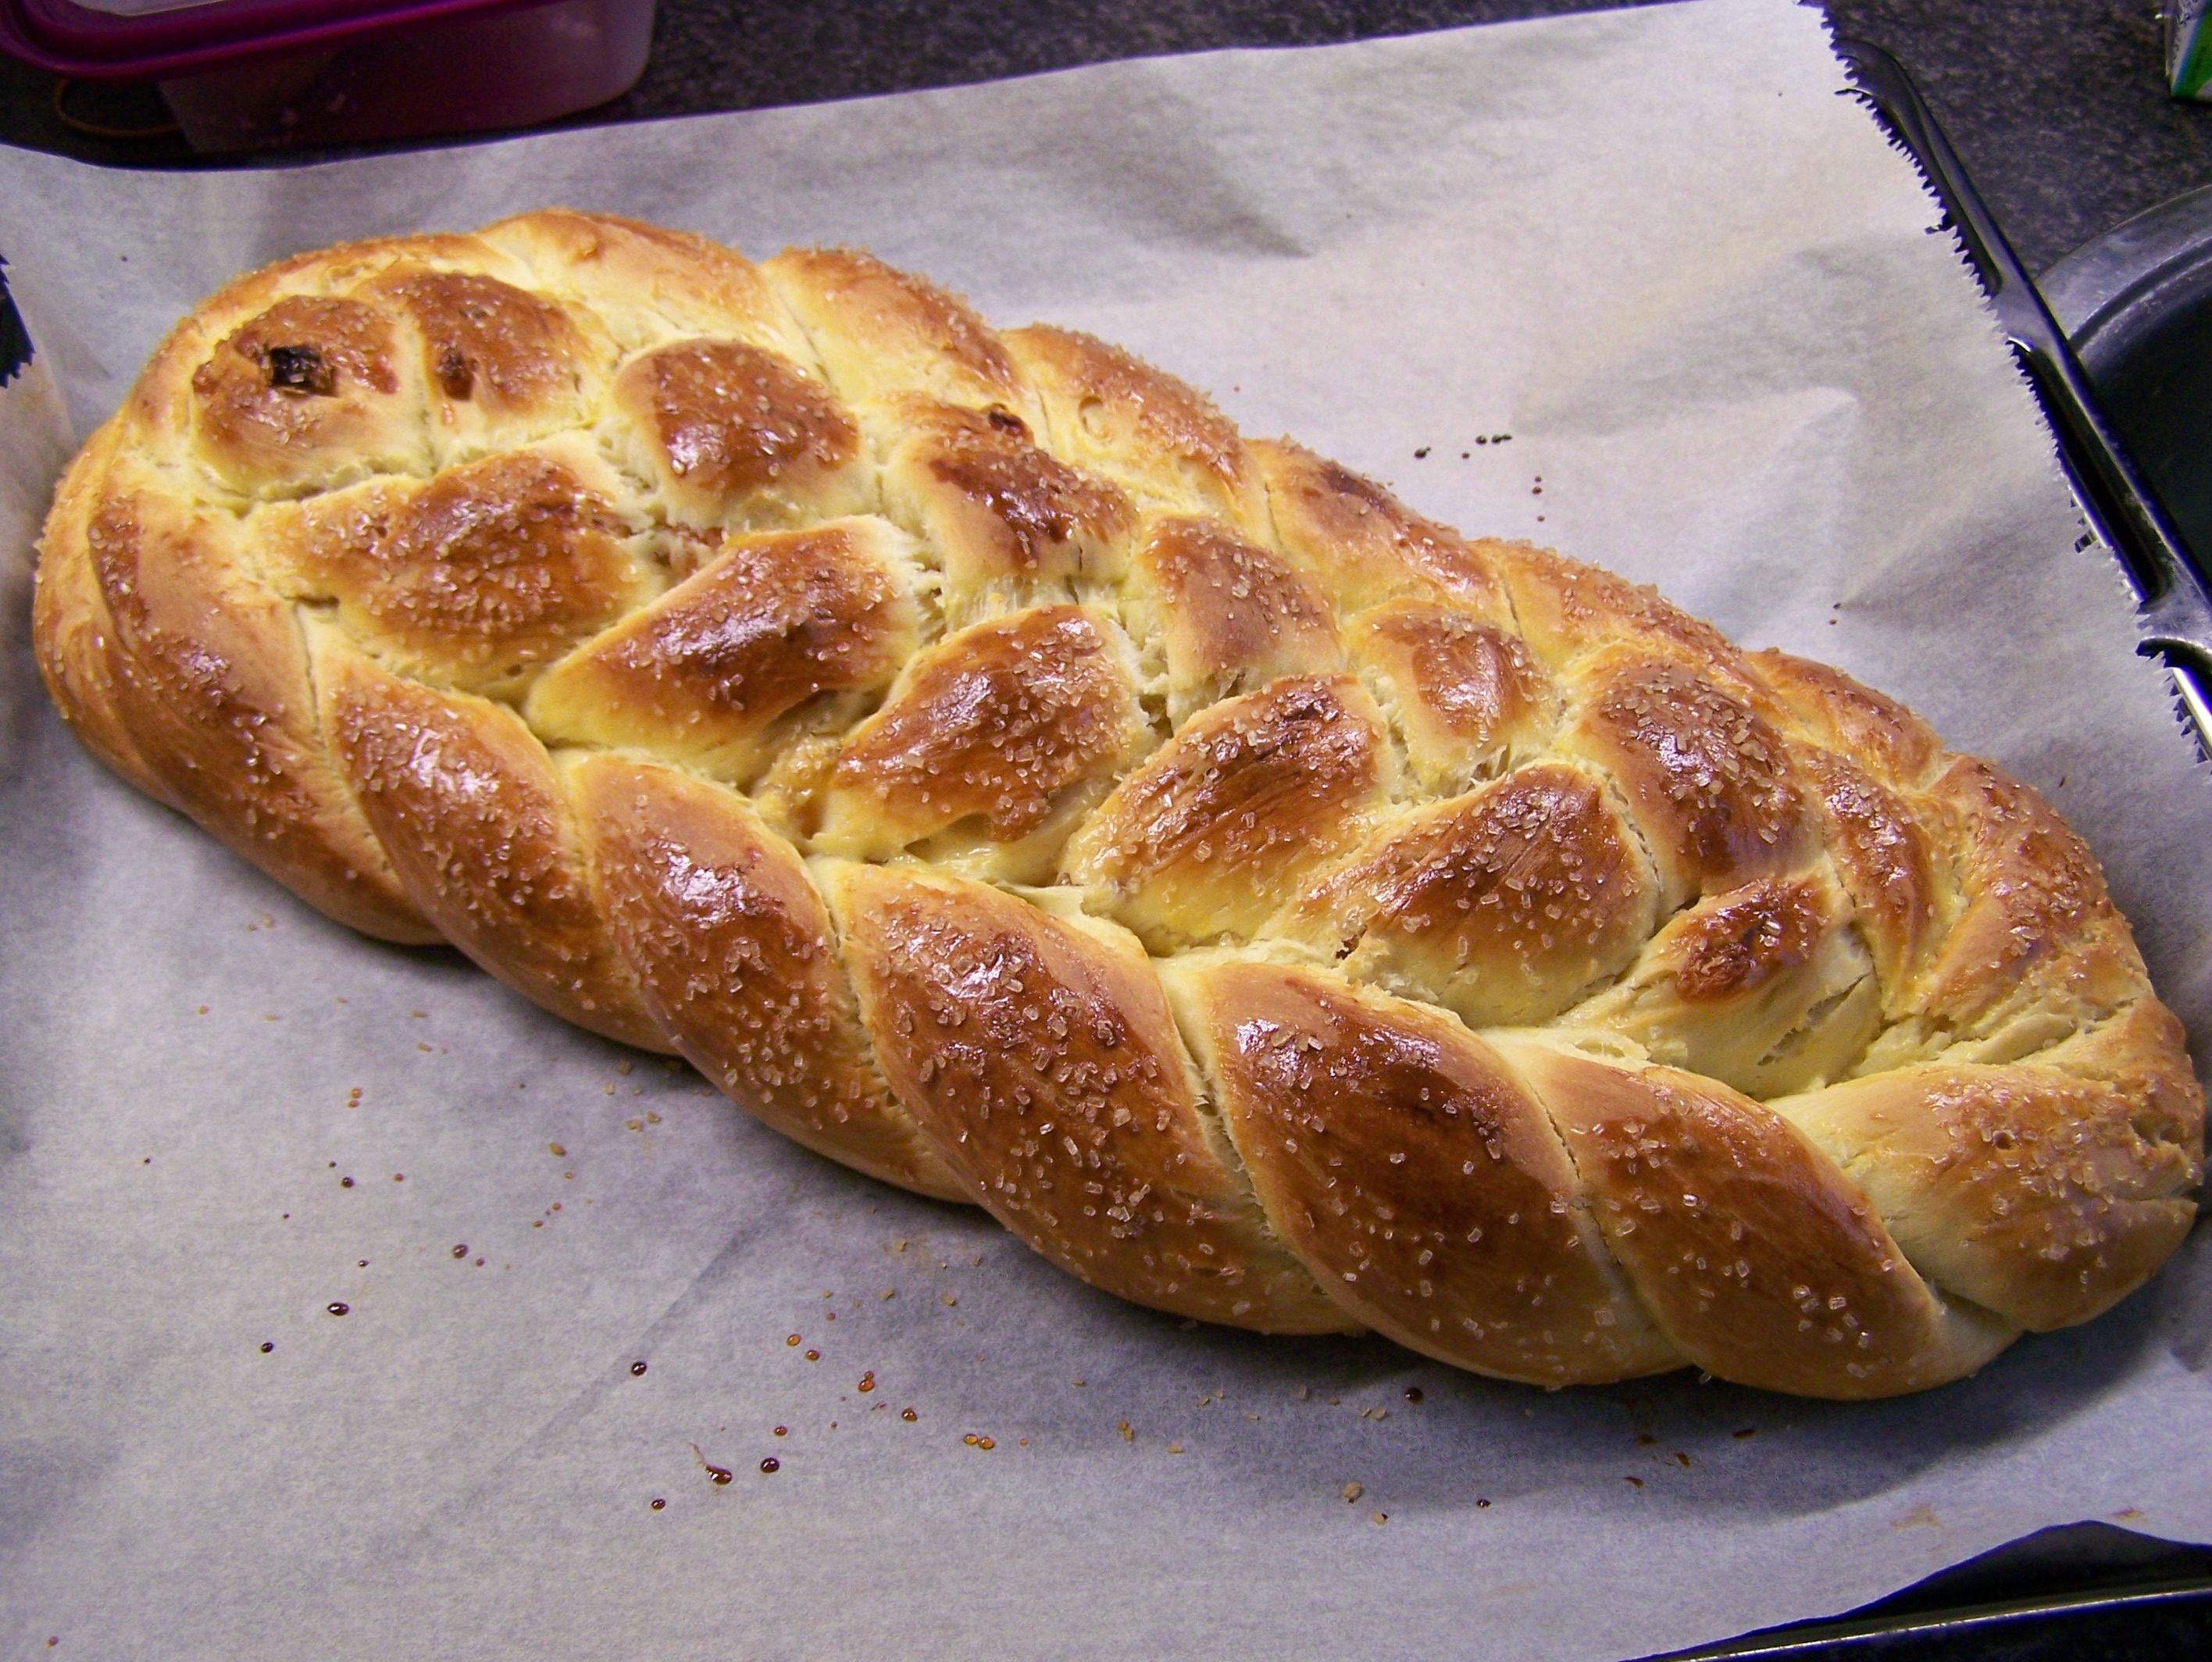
x: 2057, y: 107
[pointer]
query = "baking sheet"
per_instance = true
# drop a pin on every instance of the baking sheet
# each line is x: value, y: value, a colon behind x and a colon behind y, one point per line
x: 1706, y: 302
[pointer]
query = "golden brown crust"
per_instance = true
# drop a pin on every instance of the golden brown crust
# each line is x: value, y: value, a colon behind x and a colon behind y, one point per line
x: 997, y: 724
x: 1224, y: 823
x: 1008, y: 520
x: 1115, y: 414
x: 1467, y: 696
x: 1886, y: 858
x: 584, y: 594
x: 1565, y: 608
x: 303, y: 391
x: 738, y: 961
x: 645, y: 283
x: 209, y: 677
x: 880, y: 331
x: 705, y: 671
x: 1041, y: 1058
x: 1707, y: 779
x: 1849, y: 718
x: 2036, y: 939
x: 1417, y: 1179
x: 1765, y: 987
x: 1229, y: 616
x: 70, y: 623
x: 495, y: 361
x: 1503, y: 906
x: 1365, y: 544
x: 735, y: 433
x: 2045, y: 1192
x: 492, y: 568
x: 481, y: 836
x: 1760, y: 1261
x: 1751, y: 937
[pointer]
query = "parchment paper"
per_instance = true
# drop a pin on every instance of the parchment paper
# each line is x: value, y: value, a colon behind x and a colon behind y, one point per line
x: 1706, y: 299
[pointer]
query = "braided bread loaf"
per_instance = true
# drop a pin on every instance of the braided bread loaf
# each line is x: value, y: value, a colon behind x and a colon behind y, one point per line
x: 999, y: 776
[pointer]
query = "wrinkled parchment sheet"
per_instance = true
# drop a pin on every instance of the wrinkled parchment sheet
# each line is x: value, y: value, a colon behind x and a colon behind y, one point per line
x: 1703, y: 296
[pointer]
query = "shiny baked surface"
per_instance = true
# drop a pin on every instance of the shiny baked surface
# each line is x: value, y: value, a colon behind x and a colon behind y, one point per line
x: 998, y: 774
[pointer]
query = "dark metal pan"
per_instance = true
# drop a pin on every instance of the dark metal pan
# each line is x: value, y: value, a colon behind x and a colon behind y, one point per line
x: 2136, y: 304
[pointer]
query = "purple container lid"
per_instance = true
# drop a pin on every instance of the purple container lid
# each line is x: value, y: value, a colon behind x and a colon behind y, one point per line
x: 201, y: 34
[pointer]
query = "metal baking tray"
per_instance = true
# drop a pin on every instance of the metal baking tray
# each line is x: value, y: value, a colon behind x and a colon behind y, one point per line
x: 2139, y: 306
x: 2081, y: 1593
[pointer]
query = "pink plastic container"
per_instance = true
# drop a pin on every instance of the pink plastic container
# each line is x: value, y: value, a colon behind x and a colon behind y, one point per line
x: 251, y: 74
